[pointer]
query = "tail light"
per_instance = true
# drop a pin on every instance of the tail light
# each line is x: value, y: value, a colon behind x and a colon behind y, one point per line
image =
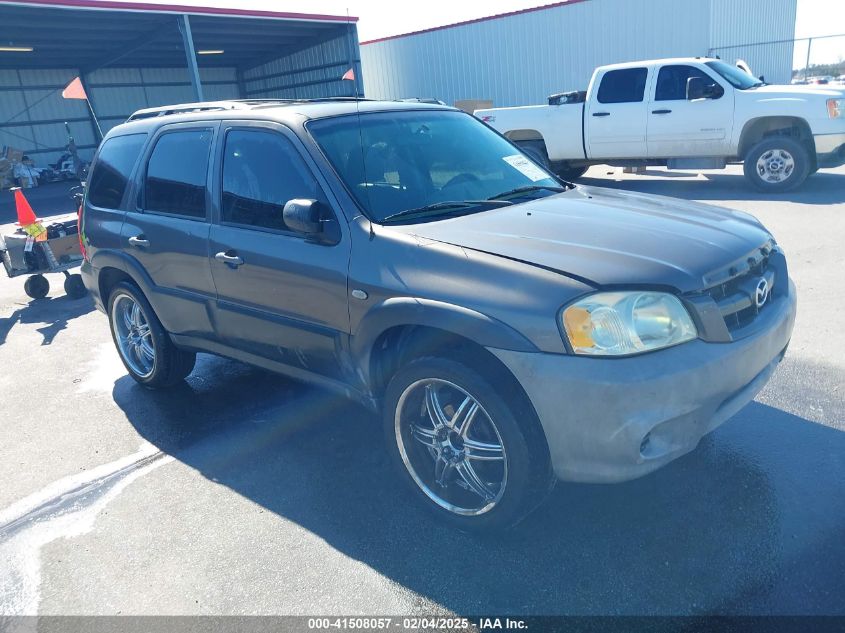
x: 79, y: 233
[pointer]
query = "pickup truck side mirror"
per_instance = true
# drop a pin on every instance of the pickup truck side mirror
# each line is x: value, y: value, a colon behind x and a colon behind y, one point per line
x: 303, y: 216
x: 698, y: 88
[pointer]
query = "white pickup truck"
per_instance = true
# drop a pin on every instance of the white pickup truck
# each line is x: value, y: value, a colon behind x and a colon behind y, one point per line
x: 686, y: 113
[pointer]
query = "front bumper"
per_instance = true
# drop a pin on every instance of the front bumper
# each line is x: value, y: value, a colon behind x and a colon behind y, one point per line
x: 830, y: 149
x: 609, y: 420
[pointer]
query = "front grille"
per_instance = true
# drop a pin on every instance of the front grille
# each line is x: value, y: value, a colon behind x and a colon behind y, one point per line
x: 748, y: 281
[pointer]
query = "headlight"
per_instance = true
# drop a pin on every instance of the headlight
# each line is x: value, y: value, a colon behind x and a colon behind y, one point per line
x: 619, y: 323
x: 835, y: 107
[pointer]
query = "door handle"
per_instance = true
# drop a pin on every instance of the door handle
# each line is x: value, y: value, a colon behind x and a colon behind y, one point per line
x: 139, y: 241
x: 661, y: 111
x: 232, y: 260
x: 601, y: 113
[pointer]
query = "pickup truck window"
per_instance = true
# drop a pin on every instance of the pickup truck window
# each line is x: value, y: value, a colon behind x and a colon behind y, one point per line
x: 623, y: 86
x: 672, y: 82
x: 734, y: 76
x: 395, y: 161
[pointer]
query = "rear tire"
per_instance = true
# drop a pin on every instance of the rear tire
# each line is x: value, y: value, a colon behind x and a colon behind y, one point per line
x: 536, y: 151
x: 571, y: 174
x: 36, y: 286
x: 777, y: 164
x: 142, y: 343
x: 486, y: 475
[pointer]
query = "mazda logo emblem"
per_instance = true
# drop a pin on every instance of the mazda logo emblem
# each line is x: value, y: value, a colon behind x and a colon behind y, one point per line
x: 761, y: 295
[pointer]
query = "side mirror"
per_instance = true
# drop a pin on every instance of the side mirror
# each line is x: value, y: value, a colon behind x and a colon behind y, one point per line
x: 698, y: 88
x: 303, y: 216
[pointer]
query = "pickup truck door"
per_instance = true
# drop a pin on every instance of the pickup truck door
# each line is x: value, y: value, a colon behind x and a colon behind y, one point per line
x: 615, y: 118
x: 679, y: 128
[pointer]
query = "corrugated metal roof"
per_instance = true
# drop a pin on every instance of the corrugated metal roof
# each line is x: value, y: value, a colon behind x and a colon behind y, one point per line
x: 150, y: 7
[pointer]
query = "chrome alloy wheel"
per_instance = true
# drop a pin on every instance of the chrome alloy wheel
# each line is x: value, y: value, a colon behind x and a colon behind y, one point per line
x: 775, y: 165
x: 133, y: 336
x: 451, y: 447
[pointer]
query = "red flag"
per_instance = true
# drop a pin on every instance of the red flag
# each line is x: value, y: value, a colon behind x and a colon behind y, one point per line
x: 74, y: 90
x: 349, y: 75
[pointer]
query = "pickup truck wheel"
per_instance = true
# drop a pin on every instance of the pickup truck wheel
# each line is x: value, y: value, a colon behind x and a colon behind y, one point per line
x: 571, y: 173
x: 465, y: 453
x: 777, y: 164
x: 144, y: 346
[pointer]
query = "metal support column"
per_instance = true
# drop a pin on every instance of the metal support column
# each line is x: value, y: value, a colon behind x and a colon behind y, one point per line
x: 191, y: 55
x: 351, y: 47
x: 239, y: 76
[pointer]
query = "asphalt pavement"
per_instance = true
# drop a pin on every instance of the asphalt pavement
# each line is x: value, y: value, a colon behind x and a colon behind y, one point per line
x: 243, y: 492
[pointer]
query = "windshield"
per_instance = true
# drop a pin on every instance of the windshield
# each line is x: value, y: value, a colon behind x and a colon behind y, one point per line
x: 394, y: 162
x: 734, y: 76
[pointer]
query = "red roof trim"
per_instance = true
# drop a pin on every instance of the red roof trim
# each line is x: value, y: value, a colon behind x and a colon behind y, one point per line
x: 116, y: 5
x: 474, y: 21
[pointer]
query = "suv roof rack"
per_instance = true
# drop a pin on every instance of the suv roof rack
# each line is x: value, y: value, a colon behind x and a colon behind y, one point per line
x: 233, y: 104
x: 149, y: 113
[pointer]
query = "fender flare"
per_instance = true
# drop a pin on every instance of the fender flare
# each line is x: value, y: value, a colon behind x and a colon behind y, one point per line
x: 410, y: 311
x: 124, y: 263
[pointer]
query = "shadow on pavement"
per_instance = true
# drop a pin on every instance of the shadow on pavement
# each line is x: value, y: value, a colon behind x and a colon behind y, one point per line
x: 820, y: 188
x: 704, y: 534
x: 54, y: 313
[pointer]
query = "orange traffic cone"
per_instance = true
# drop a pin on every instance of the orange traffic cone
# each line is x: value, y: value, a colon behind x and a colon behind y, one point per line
x: 26, y: 215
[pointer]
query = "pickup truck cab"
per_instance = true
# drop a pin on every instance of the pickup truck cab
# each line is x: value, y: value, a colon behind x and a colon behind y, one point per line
x: 686, y: 113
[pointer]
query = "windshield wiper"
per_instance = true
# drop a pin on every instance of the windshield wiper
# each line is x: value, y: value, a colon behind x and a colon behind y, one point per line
x: 527, y: 189
x: 445, y: 206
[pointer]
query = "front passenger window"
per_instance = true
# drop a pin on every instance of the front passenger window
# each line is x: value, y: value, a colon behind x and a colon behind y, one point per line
x: 672, y: 82
x: 261, y: 172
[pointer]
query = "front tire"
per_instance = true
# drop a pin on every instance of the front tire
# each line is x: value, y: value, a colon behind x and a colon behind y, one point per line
x: 144, y: 346
x: 467, y: 456
x: 777, y: 164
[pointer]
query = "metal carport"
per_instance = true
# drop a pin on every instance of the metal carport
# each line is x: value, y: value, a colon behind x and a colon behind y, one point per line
x: 133, y: 55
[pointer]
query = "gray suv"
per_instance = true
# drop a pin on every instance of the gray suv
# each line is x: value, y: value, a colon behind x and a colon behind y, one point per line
x: 512, y: 328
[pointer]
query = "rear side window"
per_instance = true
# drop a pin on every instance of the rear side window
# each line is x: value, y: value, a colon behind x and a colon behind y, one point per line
x: 623, y: 86
x: 176, y: 173
x: 261, y: 172
x: 111, y: 173
x: 672, y: 82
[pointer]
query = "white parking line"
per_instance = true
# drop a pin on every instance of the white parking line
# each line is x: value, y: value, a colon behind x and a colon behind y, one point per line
x: 64, y: 509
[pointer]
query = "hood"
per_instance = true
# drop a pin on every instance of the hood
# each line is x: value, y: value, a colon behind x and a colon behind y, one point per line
x: 607, y: 237
x: 795, y: 92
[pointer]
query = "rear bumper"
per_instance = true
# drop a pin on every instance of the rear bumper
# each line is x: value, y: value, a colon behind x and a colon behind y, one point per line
x: 610, y: 420
x: 89, y: 278
x: 830, y: 149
